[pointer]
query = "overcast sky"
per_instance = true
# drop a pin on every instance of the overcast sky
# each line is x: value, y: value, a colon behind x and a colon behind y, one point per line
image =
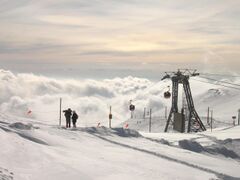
x: 120, y: 33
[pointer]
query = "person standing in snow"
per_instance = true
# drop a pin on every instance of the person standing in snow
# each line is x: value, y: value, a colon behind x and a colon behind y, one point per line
x: 68, y: 114
x: 74, y: 118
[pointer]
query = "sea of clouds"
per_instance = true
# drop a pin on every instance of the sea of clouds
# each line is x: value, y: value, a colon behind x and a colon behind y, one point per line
x: 22, y: 93
x: 37, y: 97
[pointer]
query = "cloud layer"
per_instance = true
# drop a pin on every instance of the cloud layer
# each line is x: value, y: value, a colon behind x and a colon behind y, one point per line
x: 90, y: 98
x: 21, y: 93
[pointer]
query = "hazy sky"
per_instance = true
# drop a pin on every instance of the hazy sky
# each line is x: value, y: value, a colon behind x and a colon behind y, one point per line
x: 120, y: 33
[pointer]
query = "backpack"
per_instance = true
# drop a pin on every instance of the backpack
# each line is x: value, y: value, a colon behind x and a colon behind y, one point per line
x: 75, y: 116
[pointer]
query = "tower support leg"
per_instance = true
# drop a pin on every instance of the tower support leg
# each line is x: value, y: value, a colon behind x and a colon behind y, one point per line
x: 168, y: 120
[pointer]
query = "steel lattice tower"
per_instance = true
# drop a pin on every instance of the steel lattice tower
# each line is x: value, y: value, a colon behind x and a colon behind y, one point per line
x: 182, y: 77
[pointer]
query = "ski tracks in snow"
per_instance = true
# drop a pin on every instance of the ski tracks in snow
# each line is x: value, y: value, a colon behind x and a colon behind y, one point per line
x: 159, y: 155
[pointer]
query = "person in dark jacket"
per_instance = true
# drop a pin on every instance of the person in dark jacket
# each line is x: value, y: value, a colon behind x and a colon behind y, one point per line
x: 68, y: 114
x: 74, y: 118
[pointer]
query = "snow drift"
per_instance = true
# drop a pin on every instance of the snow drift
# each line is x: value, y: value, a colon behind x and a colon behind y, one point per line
x: 34, y: 150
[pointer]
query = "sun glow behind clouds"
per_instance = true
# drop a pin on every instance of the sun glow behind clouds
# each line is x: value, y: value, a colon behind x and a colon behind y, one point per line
x: 149, y: 31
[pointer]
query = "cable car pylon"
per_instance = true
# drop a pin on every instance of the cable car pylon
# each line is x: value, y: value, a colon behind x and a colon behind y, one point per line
x: 182, y: 77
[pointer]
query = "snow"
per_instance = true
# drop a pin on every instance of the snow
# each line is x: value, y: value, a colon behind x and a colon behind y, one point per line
x: 34, y: 147
x: 43, y: 151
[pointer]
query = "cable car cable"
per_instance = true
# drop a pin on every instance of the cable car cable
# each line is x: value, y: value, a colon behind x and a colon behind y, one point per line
x: 221, y: 81
x: 217, y: 84
x: 212, y: 74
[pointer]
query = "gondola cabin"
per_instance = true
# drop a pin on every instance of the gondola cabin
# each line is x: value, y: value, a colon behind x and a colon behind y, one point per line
x: 167, y: 94
x: 131, y: 107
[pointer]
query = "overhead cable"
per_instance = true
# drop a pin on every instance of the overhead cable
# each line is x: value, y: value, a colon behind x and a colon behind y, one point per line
x: 221, y: 81
x: 212, y: 74
x: 217, y: 84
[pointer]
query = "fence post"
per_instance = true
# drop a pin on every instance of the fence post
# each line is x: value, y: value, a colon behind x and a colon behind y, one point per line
x: 110, y: 117
x: 211, y: 119
x: 60, y: 112
x: 208, y: 116
x: 150, y: 120
x: 166, y: 112
x: 144, y: 113
x: 238, y: 116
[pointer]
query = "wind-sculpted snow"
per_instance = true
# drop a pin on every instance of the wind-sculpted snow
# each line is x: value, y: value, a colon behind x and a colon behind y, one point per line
x: 191, y: 145
x: 22, y: 130
x: 22, y: 126
x: 51, y: 152
x: 5, y: 174
x: 37, y: 97
x: 228, y: 148
x: 104, y: 131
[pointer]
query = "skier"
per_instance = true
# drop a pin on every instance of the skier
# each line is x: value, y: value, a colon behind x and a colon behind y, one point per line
x: 74, y: 118
x: 68, y: 114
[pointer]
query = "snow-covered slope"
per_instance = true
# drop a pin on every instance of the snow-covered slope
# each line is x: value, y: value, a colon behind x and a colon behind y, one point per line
x: 36, y: 151
x: 34, y: 147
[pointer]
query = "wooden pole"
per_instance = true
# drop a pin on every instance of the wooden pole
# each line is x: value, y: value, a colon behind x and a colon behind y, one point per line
x: 211, y: 119
x: 239, y: 117
x: 144, y: 113
x: 60, y: 112
x: 166, y: 112
x: 110, y: 117
x: 150, y: 120
x: 208, y: 116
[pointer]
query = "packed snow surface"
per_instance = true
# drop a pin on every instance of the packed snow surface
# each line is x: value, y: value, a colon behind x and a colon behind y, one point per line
x: 33, y: 150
